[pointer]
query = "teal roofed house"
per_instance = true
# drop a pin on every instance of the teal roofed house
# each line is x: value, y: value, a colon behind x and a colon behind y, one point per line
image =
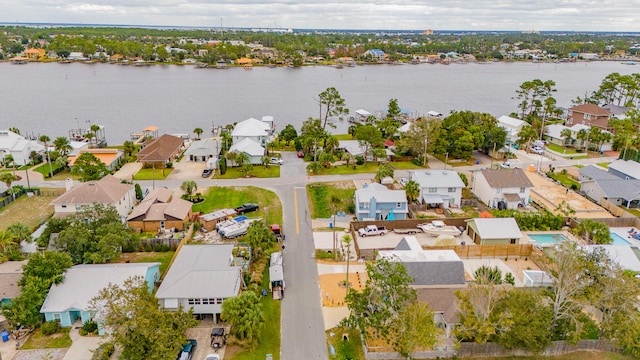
x: 68, y: 301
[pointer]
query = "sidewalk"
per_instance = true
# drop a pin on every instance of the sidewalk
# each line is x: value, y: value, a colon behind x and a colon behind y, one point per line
x: 82, y: 346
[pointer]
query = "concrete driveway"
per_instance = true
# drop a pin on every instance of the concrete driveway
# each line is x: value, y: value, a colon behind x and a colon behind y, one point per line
x: 82, y: 346
x: 202, y: 334
x: 187, y: 170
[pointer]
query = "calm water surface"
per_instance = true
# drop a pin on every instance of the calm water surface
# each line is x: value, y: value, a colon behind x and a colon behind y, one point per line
x: 53, y: 98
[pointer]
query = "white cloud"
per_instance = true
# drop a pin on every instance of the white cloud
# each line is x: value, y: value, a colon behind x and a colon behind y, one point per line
x: 604, y: 15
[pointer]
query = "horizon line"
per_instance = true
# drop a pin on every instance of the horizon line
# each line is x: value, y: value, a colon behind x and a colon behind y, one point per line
x: 195, y: 27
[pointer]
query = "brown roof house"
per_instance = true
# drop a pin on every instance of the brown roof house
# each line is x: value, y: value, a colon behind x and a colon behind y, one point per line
x: 444, y: 304
x: 161, y: 150
x: 502, y: 188
x: 589, y: 114
x: 107, y: 191
x: 159, y: 211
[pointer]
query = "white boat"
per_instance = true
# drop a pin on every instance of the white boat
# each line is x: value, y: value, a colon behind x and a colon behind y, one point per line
x: 438, y: 227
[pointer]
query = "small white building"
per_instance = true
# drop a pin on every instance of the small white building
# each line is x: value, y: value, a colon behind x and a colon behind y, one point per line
x: 494, y: 231
x: 512, y: 126
x: 253, y: 149
x: 17, y: 146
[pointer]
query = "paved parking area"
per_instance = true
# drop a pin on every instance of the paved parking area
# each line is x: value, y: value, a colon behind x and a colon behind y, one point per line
x: 202, y: 334
x: 187, y: 170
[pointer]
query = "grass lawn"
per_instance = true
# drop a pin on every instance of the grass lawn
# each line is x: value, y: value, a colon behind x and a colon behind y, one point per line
x: 138, y: 257
x: 371, y: 167
x: 258, y: 171
x: 578, y: 355
x: 28, y: 211
x: 343, y: 136
x: 455, y: 162
x: 58, y: 340
x: 269, y: 338
x: 566, y: 180
x: 404, y: 165
x: 64, y: 175
x: 151, y: 174
x: 45, y: 170
x: 604, y: 164
x: 565, y: 150
x: 325, y: 197
x: 635, y: 212
x: 232, y: 197
x: 350, y: 349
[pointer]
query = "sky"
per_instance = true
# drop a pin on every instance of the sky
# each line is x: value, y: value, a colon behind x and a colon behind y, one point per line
x: 541, y: 15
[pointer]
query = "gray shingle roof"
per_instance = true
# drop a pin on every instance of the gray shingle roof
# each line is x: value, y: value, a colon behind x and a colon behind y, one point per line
x: 504, y: 178
x: 201, y: 271
x: 627, y: 167
x: 108, y: 190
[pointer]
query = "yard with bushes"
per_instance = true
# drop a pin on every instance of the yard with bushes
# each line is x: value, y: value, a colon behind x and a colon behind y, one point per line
x: 326, y: 198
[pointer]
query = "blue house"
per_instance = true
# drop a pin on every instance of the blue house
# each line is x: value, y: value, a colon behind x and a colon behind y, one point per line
x: 377, y: 202
x: 68, y: 301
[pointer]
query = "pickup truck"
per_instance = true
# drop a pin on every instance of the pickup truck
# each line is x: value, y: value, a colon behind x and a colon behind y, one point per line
x: 372, y: 230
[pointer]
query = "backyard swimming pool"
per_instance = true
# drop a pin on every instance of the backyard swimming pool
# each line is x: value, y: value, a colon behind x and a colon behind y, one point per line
x: 558, y: 238
x: 618, y: 240
x: 548, y: 238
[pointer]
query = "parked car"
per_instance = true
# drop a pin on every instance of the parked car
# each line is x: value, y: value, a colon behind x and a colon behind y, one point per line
x: 276, y: 161
x: 188, y: 350
x: 248, y: 207
x: 300, y: 154
x: 212, y: 357
x: 206, y: 173
x: 538, y: 150
x: 403, y: 181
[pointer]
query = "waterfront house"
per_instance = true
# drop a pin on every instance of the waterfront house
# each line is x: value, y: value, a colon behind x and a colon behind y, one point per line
x: 17, y: 146
x: 438, y: 188
x: 589, y: 114
x: 502, y: 188
x: 161, y: 150
x: 111, y: 158
x: 354, y: 148
x: 427, y: 268
x: 253, y: 129
x: 494, y: 231
x: 203, y: 151
x: 512, y: 126
x: 553, y: 133
x: 376, y: 201
x: 69, y: 300
x: 106, y: 191
x: 160, y: 211
x: 597, y: 184
x: 201, y: 278
x: 375, y: 54
x: 34, y: 53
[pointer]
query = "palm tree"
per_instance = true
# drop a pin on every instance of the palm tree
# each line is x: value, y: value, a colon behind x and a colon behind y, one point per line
x: 331, y: 143
x: 242, y: 158
x: 20, y: 231
x: 347, y: 158
x: 231, y: 156
x: 583, y: 136
x: 526, y: 135
x: 45, y: 140
x: 346, y: 240
x: 62, y: 145
x: 7, y: 178
x: 314, y: 167
x: 198, y: 131
x: 8, y: 161
x: 412, y: 189
x: 189, y: 187
x: 265, y: 161
x: 567, y: 134
x: 8, y: 242
x: 129, y: 147
x: 94, y: 129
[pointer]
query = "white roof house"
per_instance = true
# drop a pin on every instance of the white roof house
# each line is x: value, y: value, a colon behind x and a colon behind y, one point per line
x: 492, y: 231
x: 201, y: 277
x: 249, y: 147
x: 70, y: 299
x: 353, y: 147
x: 621, y: 254
x: 17, y: 146
x: 253, y: 129
x: 202, y: 150
x: 512, y: 126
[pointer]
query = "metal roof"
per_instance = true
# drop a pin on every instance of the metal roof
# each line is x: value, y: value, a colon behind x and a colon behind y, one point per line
x: 497, y: 228
x: 436, y: 178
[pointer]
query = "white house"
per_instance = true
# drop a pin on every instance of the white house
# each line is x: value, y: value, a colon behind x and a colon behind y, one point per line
x: 494, y: 231
x: 553, y: 133
x: 438, y: 188
x: 17, y: 146
x: 201, y: 278
x: 625, y: 169
x: 502, y: 188
x: 376, y: 201
x: 108, y: 191
x: 253, y: 129
x: 512, y: 126
x: 203, y: 150
x: 253, y: 149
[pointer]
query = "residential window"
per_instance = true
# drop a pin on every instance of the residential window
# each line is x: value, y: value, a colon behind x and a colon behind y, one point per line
x: 521, y: 190
x: 57, y: 316
x: 365, y: 205
x: 398, y: 205
x: 194, y: 301
x: 205, y: 301
x: 64, y: 206
x: 433, y: 190
x: 451, y: 190
x: 78, y: 207
x: 219, y: 301
x: 498, y: 190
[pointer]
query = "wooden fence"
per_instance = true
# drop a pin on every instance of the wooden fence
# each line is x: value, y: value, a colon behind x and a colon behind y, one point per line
x: 490, y: 350
x: 488, y: 251
x: 614, y: 209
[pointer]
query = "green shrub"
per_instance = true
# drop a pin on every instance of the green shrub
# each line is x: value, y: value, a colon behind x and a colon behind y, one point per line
x: 148, y: 248
x: 50, y: 327
x: 90, y: 326
x: 359, y: 160
x: 103, y: 352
